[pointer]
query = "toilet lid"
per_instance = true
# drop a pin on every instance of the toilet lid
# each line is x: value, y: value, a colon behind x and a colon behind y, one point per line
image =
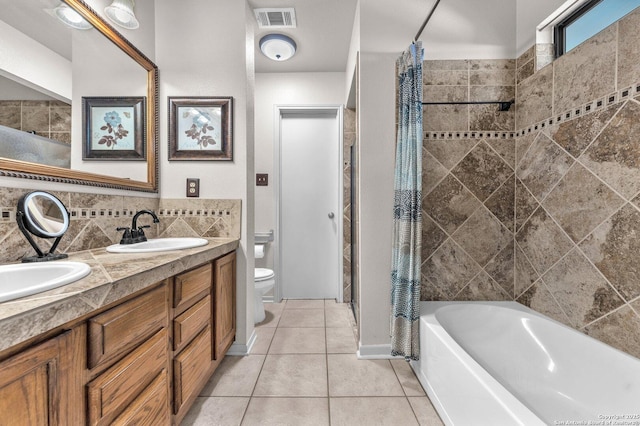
x: 263, y: 273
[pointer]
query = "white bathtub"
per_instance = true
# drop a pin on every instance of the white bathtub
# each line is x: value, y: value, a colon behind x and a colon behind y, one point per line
x: 500, y: 363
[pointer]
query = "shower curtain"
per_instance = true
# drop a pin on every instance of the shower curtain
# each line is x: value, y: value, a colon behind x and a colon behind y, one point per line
x: 407, y: 216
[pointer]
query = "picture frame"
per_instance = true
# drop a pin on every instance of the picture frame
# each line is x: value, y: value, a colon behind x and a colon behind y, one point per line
x: 201, y: 128
x: 114, y: 128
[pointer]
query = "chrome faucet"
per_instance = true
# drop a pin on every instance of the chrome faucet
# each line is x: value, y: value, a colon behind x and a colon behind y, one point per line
x: 136, y: 233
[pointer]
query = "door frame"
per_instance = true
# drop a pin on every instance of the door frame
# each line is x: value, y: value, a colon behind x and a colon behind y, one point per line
x: 279, y: 112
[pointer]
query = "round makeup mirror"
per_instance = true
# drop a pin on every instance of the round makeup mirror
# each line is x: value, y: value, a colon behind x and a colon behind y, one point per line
x: 43, y: 215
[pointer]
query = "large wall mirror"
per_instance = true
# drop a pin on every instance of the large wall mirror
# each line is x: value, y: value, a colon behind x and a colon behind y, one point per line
x: 46, y: 69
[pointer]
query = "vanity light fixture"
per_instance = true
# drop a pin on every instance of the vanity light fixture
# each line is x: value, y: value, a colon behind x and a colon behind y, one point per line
x: 121, y: 13
x: 278, y: 47
x: 71, y: 18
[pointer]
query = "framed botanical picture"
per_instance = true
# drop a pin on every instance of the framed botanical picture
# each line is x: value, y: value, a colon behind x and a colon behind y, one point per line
x: 113, y: 128
x: 200, y: 128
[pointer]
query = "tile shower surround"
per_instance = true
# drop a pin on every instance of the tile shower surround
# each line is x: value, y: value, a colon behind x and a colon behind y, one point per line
x: 50, y: 119
x: 94, y: 219
x: 546, y: 213
x: 349, y: 131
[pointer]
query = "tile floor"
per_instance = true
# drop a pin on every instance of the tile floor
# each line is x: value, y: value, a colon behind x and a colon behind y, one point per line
x: 303, y: 370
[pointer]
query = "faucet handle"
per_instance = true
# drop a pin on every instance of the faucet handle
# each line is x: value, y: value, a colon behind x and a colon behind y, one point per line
x: 141, y: 237
x: 126, y: 237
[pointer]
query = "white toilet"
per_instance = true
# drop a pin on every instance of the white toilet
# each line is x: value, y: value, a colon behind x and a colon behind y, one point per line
x: 265, y: 280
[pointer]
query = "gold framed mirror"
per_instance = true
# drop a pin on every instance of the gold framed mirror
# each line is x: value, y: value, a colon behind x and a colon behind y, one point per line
x: 91, y: 175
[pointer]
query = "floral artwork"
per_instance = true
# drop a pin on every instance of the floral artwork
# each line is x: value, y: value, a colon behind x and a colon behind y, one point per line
x: 200, y: 128
x: 113, y: 131
x: 113, y: 128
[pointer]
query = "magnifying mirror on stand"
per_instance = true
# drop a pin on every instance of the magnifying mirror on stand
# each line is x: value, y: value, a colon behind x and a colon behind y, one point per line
x: 43, y: 215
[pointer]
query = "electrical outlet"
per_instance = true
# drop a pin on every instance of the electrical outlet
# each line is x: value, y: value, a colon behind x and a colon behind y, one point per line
x: 262, y: 179
x: 193, y: 187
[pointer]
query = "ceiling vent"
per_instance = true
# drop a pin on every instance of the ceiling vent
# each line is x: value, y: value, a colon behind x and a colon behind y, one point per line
x: 276, y: 17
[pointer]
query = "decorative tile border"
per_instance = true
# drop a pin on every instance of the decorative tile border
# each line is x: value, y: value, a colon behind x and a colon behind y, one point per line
x: 589, y: 107
x: 195, y: 212
x: 9, y: 214
x: 469, y: 135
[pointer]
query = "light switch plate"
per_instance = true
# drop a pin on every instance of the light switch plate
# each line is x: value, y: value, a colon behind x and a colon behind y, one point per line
x: 193, y: 187
x: 262, y: 179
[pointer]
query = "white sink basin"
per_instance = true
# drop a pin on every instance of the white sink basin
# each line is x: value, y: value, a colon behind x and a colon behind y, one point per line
x: 26, y: 279
x: 158, y: 244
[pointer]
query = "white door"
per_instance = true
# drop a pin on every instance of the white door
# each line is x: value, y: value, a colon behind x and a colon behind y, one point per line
x: 310, y: 212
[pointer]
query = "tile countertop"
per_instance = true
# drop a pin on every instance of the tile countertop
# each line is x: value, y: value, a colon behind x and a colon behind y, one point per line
x: 113, y: 276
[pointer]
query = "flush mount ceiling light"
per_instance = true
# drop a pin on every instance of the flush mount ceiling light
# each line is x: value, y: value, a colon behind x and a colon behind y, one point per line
x: 121, y: 13
x: 277, y: 47
x: 71, y: 18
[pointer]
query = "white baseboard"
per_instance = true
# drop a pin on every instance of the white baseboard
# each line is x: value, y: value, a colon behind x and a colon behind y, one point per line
x: 237, y: 349
x: 375, y: 352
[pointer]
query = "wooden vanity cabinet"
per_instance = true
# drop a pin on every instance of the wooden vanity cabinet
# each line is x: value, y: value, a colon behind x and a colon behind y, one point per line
x: 140, y: 362
x: 204, y: 327
x: 128, y: 361
x: 225, y: 304
x: 43, y: 384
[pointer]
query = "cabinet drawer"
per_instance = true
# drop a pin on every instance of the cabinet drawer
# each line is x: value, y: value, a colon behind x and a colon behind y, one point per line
x: 190, y: 322
x: 114, y: 389
x: 150, y: 408
x: 190, y: 285
x: 191, y: 369
x: 120, y: 329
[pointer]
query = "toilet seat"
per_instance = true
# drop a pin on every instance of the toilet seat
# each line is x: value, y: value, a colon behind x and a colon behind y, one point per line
x: 263, y: 274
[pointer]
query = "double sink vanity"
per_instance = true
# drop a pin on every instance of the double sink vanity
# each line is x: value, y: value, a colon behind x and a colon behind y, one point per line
x: 127, y: 334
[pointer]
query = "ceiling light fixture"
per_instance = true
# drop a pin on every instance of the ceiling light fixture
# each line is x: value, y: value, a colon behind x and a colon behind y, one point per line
x: 71, y: 18
x: 278, y: 47
x: 121, y: 13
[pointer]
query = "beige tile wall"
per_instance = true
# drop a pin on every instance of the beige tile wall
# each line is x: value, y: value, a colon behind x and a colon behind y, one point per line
x: 550, y: 217
x: 468, y: 175
x: 94, y: 219
x: 50, y: 119
x: 349, y: 141
x: 577, y: 188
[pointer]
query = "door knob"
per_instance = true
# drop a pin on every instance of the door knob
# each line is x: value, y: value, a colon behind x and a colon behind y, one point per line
x: 331, y: 215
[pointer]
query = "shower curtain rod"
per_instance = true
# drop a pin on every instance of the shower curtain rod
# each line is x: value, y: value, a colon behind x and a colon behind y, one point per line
x: 424, y: 24
x: 504, y: 105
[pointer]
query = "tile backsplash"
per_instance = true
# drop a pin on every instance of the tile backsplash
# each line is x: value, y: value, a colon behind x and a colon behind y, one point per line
x: 94, y: 219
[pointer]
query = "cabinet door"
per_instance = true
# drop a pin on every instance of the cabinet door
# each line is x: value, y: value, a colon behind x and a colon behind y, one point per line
x: 112, y: 392
x: 190, y: 286
x: 191, y: 370
x: 41, y: 385
x: 149, y: 408
x: 124, y: 327
x: 224, y: 304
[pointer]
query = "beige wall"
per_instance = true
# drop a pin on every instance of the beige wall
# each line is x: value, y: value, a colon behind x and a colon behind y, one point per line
x: 212, y: 61
x: 273, y: 89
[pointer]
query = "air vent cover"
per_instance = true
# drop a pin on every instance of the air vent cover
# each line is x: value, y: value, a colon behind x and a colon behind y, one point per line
x: 276, y: 17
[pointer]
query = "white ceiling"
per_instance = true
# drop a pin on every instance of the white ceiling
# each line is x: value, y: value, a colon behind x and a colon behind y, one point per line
x: 29, y: 17
x: 323, y: 35
x: 478, y: 29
